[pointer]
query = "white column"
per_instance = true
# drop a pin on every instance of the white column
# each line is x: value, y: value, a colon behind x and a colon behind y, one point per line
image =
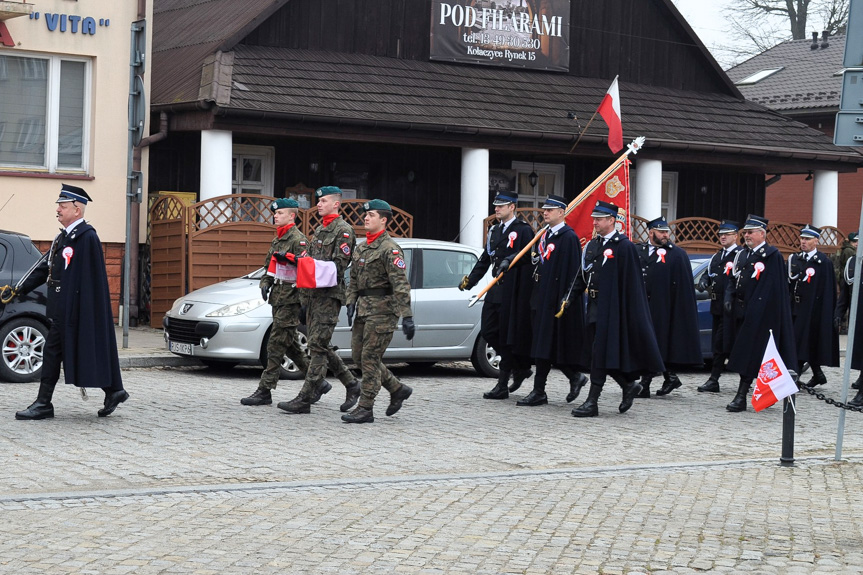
x: 216, y: 153
x: 825, y: 198
x: 648, y: 188
x: 474, y: 195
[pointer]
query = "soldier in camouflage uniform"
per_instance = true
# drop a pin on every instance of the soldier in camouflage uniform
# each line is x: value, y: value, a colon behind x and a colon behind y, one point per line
x: 278, y: 286
x: 333, y: 242
x: 379, y: 293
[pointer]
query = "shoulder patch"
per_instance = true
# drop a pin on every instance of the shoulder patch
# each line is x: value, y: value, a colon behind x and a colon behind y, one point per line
x: 399, y: 263
x: 395, y: 252
x: 346, y: 249
x: 345, y: 234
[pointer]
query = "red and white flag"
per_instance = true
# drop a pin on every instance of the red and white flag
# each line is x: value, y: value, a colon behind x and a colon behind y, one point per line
x: 614, y: 189
x: 609, y: 109
x: 312, y: 273
x: 774, y: 382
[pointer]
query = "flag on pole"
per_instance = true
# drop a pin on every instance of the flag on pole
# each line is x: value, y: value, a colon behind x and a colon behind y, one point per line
x: 615, y: 190
x: 312, y: 273
x: 609, y: 109
x: 774, y: 382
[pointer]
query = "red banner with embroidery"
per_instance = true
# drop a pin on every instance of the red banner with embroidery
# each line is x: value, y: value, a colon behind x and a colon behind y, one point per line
x: 614, y: 189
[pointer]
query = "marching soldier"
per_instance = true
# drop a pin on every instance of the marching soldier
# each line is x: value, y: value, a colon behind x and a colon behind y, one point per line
x: 621, y: 342
x: 673, y: 309
x: 714, y: 281
x: 556, y: 340
x: 506, y: 309
x: 378, y: 293
x: 278, y: 286
x: 842, y: 307
x: 333, y: 242
x: 759, y: 303
x: 813, y: 301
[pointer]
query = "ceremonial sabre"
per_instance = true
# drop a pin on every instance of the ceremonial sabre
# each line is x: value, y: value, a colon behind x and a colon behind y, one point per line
x: 632, y: 148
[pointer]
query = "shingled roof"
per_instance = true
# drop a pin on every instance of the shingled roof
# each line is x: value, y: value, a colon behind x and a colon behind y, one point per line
x: 308, y: 86
x: 807, y: 81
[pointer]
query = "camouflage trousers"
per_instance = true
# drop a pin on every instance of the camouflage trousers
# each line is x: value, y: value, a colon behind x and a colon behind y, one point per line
x: 369, y: 340
x: 282, y: 342
x: 322, y: 316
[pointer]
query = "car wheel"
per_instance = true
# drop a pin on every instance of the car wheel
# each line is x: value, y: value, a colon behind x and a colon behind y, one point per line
x: 23, y: 343
x: 421, y: 364
x: 289, y: 369
x: 219, y: 365
x: 485, y: 359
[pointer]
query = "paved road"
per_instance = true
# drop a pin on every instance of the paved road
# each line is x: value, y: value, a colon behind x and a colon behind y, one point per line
x: 183, y: 479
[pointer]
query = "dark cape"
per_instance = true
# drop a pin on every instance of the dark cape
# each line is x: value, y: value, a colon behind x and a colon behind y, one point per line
x: 844, y: 305
x: 624, y: 335
x: 767, y: 307
x: 813, y: 303
x: 719, y: 277
x: 83, y: 310
x: 516, y: 286
x: 559, y: 340
x: 673, y: 308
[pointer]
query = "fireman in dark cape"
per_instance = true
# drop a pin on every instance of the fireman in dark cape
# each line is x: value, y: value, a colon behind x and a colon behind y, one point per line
x: 505, y: 323
x: 673, y: 308
x: 843, y: 306
x: 557, y: 341
x: 758, y: 301
x: 81, y: 335
x: 621, y: 342
x: 813, y: 301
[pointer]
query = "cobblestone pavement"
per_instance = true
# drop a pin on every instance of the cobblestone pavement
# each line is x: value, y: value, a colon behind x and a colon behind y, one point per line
x: 183, y: 479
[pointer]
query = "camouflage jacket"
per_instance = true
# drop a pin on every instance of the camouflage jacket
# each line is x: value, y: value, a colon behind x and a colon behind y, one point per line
x: 296, y: 243
x: 380, y: 266
x: 334, y: 243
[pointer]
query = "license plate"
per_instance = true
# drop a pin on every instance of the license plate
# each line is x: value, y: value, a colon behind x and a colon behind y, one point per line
x: 181, y: 348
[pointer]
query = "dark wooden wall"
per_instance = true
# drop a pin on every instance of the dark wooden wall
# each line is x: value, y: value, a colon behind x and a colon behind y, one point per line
x: 725, y: 195
x: 638, y: 39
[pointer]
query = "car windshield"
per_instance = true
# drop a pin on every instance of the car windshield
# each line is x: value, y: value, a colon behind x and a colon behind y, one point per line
x: 255, y: 275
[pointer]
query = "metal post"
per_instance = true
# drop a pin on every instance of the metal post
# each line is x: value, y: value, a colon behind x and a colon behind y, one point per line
x: 788, y: 406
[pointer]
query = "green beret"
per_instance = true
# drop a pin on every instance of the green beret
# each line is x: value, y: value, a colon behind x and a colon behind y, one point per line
x: 284, y: 203
x: 377, y: 205
x: 852, y: 237
x: 327, y: 190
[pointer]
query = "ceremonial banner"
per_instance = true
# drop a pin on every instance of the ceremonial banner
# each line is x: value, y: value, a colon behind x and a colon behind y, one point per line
x: 609, y: 109
x: 774, y: 382
x: 513, y: 33
x: 614, y: 189
x: 312, y: 273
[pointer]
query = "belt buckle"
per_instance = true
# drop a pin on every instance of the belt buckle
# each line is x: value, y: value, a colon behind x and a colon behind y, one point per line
x: 713, y: 296
x: 796, y: 298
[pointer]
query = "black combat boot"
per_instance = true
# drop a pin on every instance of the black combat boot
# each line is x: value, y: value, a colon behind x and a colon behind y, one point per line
x: 537, y: 395
x: 112, y: 400
x: 577, y: 381
x: 739, y: 402
x: 645, y: 387
x: 518, y: 377
x: 352, y: 395
x: 818, y: 377
x: 261, y: 396
x: 359, y: 415
x: 590, y: 408
x: 671, y: 383
x: 499, y: 391
x: 711, y: 385
x: 397, y: 397
x: 42, y: 407
x: 299, y: 404
x: 322, y: 388
x: 630, y: 389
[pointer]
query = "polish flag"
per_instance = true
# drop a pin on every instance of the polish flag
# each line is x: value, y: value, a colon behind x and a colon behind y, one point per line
x: 312, y: 273
x: 609, y: 109
x: 774, y: 382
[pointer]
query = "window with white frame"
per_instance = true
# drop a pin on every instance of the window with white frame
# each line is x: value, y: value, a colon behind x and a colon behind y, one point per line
x: 253, y: 169
x: 45, y: 113
x: 549, y: 180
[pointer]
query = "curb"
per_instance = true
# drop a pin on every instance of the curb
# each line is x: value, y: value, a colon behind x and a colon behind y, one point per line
x: 166, y: 360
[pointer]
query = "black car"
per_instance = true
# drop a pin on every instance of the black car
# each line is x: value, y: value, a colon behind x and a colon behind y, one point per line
x: 699, y: 264
x: 23, y: 323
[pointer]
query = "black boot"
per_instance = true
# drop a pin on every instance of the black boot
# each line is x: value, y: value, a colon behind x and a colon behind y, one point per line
x: 42, y: 407
x: 858, y: 399
x: 518, y: 377
x: 397, y: 398
x: 711, y: 385
x: 631, y: 389
x: 261, y: 396
x: 739, y: 402
x: 590, y: 408
x: 645, y: 387
x: 299, y: 404
x: 818, y: 377
x: 352, y: 396
x: 112, y: 400
x: 671, y: 383
x: 323, y: 387
x: 500, y: 390
x: 359, y: 415
x: 577, y: 381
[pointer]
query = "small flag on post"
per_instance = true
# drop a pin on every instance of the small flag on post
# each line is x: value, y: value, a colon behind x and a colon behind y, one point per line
x: 774, y: 381
x: 609, y: 109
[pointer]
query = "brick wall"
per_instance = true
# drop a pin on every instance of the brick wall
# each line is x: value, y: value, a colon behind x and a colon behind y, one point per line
x: 790, y: 200
x: 114, y: 265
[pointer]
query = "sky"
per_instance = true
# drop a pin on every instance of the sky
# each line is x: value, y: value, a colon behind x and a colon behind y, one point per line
x: 707, y: 19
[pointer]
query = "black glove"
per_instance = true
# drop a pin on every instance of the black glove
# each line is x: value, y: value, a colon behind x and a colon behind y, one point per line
x: 728, y: 307
x: 265, y: 292
x: 408, y: 327
x: 285, y: 258
x: 465, y: 283
x: 352, y: 310
x: 303, y: 314
x: 501, y: 268
x: 837, y: 323
x: 702, y: 283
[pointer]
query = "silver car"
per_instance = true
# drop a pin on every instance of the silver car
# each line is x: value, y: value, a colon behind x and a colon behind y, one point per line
x: 228, y: 323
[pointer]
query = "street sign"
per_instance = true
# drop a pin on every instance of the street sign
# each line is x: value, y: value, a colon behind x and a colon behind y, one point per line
x: 854, y: 39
